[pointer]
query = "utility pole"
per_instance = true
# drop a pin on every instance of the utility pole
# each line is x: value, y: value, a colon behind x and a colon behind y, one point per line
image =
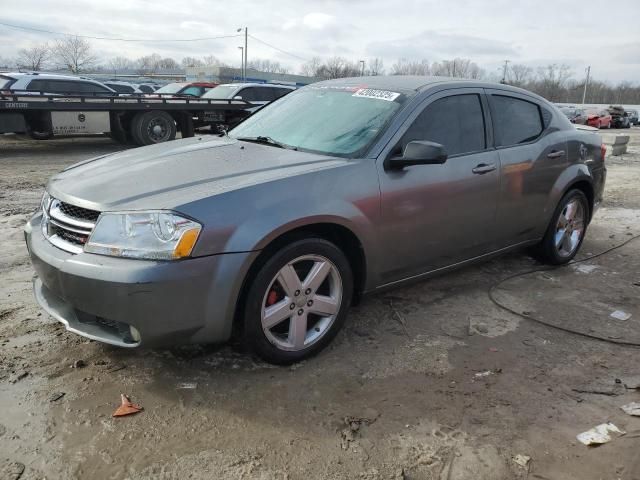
x: 246, y: 34
x: 244, y: 58
x: 241, y: 61
x: 504, y: 72
x: 584, y: 93
x: 362, y: 68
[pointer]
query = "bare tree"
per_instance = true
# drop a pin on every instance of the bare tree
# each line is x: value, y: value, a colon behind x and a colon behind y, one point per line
x: 519, y: 75
x: 120, y: 64
x: 148, y: 63
x: 168, y: 63
x: 376, y: 67
x: 552, y: 79
x: 311, y: 68
x: 212, y: 60
x: 411, y: 67
x: 34, y: 57
x: 268, y: 66
x: 191, y: 62
x: 74, y: 53
x: 338, y: 67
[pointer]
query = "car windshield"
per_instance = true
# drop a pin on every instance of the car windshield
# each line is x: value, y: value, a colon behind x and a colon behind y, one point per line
x: 171, y: 88
x: 221, y: 92
x: 334, y: 121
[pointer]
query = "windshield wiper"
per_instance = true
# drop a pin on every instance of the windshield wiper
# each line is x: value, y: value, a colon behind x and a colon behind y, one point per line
x: 266, y: 141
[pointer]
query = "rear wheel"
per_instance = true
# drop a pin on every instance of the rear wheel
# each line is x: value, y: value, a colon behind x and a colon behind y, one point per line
x: 298, y: 301
x: 566, y: 231
x: 153, y: 127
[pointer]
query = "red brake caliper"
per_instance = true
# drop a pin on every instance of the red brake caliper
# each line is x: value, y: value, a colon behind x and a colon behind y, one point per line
x: 272, y: 298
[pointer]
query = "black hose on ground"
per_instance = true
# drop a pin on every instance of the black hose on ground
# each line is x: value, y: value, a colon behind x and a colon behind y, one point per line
x: 491, y: 290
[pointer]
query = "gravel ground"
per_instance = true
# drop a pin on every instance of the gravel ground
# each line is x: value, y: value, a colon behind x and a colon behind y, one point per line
x: 402, y: 393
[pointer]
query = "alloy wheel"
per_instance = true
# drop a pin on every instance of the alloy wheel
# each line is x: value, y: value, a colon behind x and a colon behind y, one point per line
x: 301, y: 302
x: 570, y: 228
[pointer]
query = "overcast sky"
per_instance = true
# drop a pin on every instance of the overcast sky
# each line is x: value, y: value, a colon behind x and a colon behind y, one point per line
x: 578, y: 33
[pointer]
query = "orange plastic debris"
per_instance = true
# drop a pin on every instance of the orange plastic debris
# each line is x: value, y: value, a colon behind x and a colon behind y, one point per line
x: 126, y: 407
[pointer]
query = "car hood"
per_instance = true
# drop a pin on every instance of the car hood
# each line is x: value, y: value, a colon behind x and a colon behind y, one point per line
x: 168, y: 175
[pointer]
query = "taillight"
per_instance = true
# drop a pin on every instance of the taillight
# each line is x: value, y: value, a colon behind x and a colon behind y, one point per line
x: 603, y: 151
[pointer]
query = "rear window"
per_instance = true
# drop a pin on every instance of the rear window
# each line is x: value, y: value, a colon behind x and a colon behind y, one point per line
x: 516, y: 121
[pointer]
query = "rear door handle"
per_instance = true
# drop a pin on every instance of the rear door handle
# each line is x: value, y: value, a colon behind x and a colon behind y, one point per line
x: 483, y: 168
x: 558, y: 154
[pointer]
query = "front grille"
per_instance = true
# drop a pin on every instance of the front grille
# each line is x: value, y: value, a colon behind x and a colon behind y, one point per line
x: 79, y: 212
x: 67, y: 226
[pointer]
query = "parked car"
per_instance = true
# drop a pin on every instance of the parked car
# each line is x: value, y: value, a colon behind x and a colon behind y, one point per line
x: 341, y: 188
x: 257, y: 94
x: 599, y: 118
x: 575, y: 115
x: 125, y: 88
x: 190, y: 89
x: 36, y: 83
x: 633, y: 117
x: 619, y: 118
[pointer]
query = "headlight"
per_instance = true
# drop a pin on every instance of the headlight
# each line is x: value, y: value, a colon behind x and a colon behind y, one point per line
x: 145, y: 235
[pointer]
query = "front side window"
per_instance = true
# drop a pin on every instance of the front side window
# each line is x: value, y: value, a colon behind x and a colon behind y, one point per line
x: 515, y: 121
x: 455, y: 122
x: 339, y: 121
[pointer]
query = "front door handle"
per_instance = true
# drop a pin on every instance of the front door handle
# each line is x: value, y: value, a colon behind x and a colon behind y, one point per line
x: 483, y: 168
x: 558, y: 154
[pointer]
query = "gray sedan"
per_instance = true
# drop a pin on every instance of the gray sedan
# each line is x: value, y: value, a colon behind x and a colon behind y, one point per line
x: 339, y: 189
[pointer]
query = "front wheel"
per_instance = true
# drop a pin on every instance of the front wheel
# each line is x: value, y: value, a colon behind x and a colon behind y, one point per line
x: 298, y: 301
x: 566, y: 231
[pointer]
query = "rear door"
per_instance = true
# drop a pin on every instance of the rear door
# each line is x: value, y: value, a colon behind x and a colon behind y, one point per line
x: 439, y: 215
x: 532, y: 156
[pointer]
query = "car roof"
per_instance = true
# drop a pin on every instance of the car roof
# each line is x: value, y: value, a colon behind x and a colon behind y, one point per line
x: 409, y: 83
x: 242, y: 85
x: 50, y: 76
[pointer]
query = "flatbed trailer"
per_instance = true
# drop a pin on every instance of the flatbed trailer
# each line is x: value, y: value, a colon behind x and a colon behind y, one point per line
x: 136, y: 120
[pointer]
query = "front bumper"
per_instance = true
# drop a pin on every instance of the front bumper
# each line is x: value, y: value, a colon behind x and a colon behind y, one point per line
x: 168, y: 303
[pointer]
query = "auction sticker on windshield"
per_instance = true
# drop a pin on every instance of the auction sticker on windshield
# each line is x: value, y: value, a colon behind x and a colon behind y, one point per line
x: 378, y: 94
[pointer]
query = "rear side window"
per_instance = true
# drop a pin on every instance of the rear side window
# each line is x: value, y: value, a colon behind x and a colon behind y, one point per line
x: 248, y: 94
x: 37, y: 86
x: 195, y: 91
x: 145, y: 89
x: 455, y: 122
x: 516, y: 121
x: 4, y: 82
x: 264, y: 94
x: 280, y: 92
x: 120, y: 88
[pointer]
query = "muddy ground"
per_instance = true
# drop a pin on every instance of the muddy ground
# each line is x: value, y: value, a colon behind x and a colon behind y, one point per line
x: 401, y: 393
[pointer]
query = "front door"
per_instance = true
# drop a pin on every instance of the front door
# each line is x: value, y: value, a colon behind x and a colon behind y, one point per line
x: 438, y: 215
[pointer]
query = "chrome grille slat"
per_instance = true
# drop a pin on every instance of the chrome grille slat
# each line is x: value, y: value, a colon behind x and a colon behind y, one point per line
x: 68, y: 227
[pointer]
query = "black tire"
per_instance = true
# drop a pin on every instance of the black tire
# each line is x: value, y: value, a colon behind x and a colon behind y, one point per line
x: 37, y: 135
x: 142, y: 128
x: 254, y: 335
x: 546, y: 250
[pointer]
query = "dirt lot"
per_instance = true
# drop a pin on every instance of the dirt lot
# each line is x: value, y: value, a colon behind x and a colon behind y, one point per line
x: 396, y: 396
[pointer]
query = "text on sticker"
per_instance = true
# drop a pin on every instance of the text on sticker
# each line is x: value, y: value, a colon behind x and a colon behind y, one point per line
x: 379, y: 94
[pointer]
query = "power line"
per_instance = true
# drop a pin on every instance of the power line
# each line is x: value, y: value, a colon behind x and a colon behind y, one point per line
x: 19, y: 27
x: 279, y: 49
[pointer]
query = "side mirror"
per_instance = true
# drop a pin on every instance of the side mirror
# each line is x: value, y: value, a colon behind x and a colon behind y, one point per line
x: 237, y: 97
x: 419, y: 152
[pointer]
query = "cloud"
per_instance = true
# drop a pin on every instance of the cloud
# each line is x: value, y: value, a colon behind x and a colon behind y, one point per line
x: 317, y: 21
x: 434, y: 45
